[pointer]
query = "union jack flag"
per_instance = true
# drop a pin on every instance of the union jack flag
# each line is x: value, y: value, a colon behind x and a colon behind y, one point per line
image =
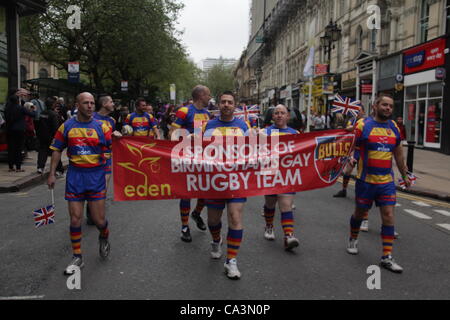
x: 44, y: 216
x: 245, y: 112
x: 346, y: 106
x: 411, y: 177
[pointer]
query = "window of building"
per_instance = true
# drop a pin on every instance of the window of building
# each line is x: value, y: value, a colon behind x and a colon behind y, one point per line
x: 43, y: 73
x: 373, y: 40
x: 424, y: 19
x: 448, y: 17
x: 359, y: 39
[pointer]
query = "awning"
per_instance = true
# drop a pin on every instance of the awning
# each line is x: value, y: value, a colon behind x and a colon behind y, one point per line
x: 29, y: 7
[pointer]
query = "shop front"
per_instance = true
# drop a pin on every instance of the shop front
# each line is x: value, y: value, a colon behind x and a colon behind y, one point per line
x: 423, y: 96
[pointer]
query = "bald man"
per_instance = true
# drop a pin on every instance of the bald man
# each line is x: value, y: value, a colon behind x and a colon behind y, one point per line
x: 87, y: 141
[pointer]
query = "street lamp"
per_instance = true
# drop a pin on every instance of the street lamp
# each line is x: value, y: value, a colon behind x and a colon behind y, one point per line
x: 332, y: 34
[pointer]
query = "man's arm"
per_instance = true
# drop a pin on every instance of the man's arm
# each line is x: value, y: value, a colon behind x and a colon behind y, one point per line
x: 401, y: 164
x: 56, y: 157
x: 156, y: 132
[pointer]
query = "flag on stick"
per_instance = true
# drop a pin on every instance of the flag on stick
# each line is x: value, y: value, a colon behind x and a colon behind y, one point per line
x: 346, y: 106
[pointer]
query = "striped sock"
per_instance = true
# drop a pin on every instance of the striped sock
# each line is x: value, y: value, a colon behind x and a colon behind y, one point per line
x: 387, y: 234
x: 345, y: 181
x: 269, y: 215
x: 199, y: 207
x: 215, y: 232
x: 234, y: 239
x: 104, y: 231
x: 355, y: 225
x: 366, y: 216
x: 185, y: 209
x: 287, y: 222
x: 75, y: 238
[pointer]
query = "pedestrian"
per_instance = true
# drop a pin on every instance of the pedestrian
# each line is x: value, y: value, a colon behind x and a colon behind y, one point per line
x: 402, y: 128
x: 46, y: 127
x: 192, y: 118
x: 143, y: 124
x: 123, y: 114
x: 319, y: 121
x: 15, y: 131
x: 339, y: 121
x: 86, y: 140
x: 63, y: 108
x: 285, y: 201
x: 226, y: 124
x: 38, y: 103
x: 30, y: 130
x: 167, y: 119
x: 378, y: 141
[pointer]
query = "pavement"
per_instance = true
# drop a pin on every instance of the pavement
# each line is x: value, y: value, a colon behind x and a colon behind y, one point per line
x: 432, y: 169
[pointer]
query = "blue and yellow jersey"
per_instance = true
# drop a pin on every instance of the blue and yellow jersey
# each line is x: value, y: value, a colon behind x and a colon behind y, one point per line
x: 217, y: 127
x: 272, y: 131
x: 87, y: 143
x: 190, y: 118
x: 375, y: 143
x: 142, y: 124
x: 107, y: 120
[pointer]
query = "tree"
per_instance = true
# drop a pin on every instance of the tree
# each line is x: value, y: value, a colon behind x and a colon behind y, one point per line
x: 219, y: 79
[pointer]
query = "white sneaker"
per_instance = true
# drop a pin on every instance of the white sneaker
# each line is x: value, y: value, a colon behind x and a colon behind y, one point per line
x: 293, y: 206
x: 352, y: 247
x: 389, y: 264
x: 364, y: 226
x: 231, y: 270
x: 40, y: 171
x: 76, y: 262
x: 268, y: 233
x: 291, y: 242
x: 216, y: 249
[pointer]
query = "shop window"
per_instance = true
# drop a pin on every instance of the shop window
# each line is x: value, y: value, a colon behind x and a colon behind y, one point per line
x: 435, y: 90
x: 411, y: 93
x: 423, y: 91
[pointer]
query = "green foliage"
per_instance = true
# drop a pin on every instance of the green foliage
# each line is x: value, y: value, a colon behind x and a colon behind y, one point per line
x: 118, y: 40
x: 219, y: 79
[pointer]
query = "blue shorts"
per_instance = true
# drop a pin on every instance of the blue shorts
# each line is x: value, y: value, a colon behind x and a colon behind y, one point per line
x: 85, y: 184
x: 108, y: 166
x: 383, y: 194
x: 219, y: 204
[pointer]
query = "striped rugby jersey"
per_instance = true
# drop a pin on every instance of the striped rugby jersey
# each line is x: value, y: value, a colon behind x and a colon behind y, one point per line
x: 217, y: 127
x: 142, y: 124
x: 271, y: 131
x: 190, y: 118
x: 87, y: 143
x: 109, y: 121
x: 376, y: 142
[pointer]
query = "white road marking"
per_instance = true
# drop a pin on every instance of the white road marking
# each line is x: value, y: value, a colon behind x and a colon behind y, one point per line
x: 443, y: 212
x: 445, y: 226
x: 22, y: 298
x: 398, y: 205
x: 418, y: 214
x: 421, y: 204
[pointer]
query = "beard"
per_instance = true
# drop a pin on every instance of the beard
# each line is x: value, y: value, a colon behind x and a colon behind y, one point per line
x: 382, y: 116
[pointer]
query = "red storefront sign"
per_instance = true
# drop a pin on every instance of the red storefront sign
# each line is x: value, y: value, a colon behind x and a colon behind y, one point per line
x: 427, y: 56
x: 321, y: 69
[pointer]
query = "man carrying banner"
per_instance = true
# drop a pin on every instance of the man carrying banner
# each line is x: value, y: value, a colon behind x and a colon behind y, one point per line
x: 377, y: 141
x: 88, y: 141
x: 280, y: 118
x: 192, y: 118
x: 143, y: 124
x: 226, y: 125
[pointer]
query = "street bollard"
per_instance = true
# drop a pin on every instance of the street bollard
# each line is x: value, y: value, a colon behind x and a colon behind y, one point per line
x: 410, y: 159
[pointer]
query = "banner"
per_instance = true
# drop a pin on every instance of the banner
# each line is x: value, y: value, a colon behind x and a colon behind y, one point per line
x: 227, y: 167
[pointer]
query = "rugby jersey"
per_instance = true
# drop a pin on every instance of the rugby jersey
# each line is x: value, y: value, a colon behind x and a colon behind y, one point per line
x: 190, y: 118
x: 235, y: 127
x: 142, y: 124
x: 87, y: 143
x: 271, y: 131
x: 110, y: 122
x: 375, y: 143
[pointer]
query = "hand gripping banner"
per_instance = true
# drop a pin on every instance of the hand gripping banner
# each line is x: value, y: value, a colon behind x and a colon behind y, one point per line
x: 228, y: 167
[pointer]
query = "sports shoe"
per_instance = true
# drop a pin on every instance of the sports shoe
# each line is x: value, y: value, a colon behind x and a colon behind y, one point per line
x: 231, y: 270
x: 198, y: 220
x: 352, y: 246
x: 104, y: 247
x: 186, y: 234
x: 364, y: 226
x: 216, y: 249
x: 59, y: 174
x: 389, y: 264
x: 290, y: 242
x: 341, y: 194
x: 40, y: 170
x: 396, y: 235
x: 76, y: 262
x: 294, y: 206
x: 268, y: 233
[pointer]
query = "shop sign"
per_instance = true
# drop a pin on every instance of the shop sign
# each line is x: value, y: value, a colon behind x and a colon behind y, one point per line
x: 321, y: 69
x: 424, y: 57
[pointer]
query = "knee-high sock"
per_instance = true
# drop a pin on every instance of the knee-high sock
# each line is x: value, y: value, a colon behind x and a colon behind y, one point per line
x: 215, y: 232
x: 287, y: 222
x: 269, y: 215
x: 234, y: 239
x: 75, y: 238
x: 355, y: 225
x: 199, y: 207
x: 345, y: 181
x: 185, y: 209
x: 387, y: 235
x: 366, y: 216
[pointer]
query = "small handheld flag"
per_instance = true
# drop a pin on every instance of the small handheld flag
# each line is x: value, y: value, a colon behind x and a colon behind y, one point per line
x: 46, y: 215
x: 411, y: 177
x: 346, y: 106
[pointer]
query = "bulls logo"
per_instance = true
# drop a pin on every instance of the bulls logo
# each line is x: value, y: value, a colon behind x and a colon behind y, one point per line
x: 331, y: 155
x: 90, y: 132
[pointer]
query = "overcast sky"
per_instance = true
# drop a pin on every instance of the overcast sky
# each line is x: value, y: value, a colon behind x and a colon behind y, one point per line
x: 214, y: 28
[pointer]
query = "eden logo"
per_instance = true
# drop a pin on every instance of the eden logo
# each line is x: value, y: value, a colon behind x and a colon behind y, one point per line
x: 74, y: 281
x: 74, y: 20
x: 374, y: 21
x: 374, y: 281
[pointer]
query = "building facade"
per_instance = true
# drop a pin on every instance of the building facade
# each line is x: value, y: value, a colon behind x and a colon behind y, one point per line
x: 379, y: 49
